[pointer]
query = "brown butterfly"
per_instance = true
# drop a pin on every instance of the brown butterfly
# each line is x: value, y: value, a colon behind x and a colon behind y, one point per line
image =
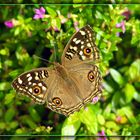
x: 68, y: 86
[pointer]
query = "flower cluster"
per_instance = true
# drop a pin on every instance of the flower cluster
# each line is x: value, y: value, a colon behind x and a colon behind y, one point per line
x: 40, y: 13
x: 121, y: 25
x: 9, y: 24
x: 102, y: 135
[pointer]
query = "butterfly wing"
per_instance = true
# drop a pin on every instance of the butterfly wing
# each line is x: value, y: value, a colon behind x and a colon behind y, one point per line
x: 81, y: 47
x: 81, y: 50
x: 69, y: 94
x: 63, y: 96
x: 45, y: 85
x: 88, y: 81
x: 34, y: 83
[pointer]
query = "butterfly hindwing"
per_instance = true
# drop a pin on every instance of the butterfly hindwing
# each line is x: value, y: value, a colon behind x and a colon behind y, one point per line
x: 88, y: 80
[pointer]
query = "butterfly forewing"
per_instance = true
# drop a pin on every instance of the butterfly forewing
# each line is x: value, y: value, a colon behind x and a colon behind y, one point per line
x: 33, y: 84
x: 81, y: 47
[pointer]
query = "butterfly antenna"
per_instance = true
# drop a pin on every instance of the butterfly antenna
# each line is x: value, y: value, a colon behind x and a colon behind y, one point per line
x: 35, y: 56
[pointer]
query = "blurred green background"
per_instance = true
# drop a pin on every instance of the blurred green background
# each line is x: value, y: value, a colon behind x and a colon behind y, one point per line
x: 24, y: 34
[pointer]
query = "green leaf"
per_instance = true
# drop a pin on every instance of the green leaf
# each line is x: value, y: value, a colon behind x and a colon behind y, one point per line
x: 56, y: 23
x: 109, y: 132
x: 21, y: 131
x: 101, y: 119
x: 126, y: 132
x: 112, y: 125
x: 34, y: 114
x: 127, y: 112
x: 4, y: 51
x: 2, y: 125
x: 0, y: 65
x: 107, y: 110
x: 88, y: 117
x: 134, y: 70
x: 117, y: 76
x: 129, y: 91
x: 117, y: 96
x: 43, y: 129
x: 75, y: 5
x: 107, y: 87
x: 136, y: 33
x: 137, y: 96
x: 10, y: 113
x: 71, y: 125
x: 17, y: 31
x: 4, y: 86
x: 51, y: 12
x: 2, y: 95
x: 99, y: 15
x: 14, y: 73
x: 9, y: 98
x: 13, y: 124
x: 8, y: 63
x: 22, y: 55
x: 27, y: 120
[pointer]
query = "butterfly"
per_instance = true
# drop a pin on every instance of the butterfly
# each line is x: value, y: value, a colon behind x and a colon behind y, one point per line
x: 69, y: 85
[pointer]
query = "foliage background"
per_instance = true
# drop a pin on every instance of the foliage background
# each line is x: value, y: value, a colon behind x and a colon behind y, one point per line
x: 118, y: 39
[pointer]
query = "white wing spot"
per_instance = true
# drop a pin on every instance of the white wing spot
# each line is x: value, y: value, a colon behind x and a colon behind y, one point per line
x: 89, y: 45
x: 75, y: 48
x: 89, y: 34
x: 83, y: 58
x: 39, y: 100
x: 28, y: 75
x: 34, y: 84
x: 44, y: 88
x: 74, y: 39
x: 82, y: 42
x: 82, y: 32
x: 20, y: 81
x: 40, y: 95
x: 30, y: 83
x: 71, y: 47
x: 30, y: 78
x: 24, y: 90
x: 43, y: 76
x: 40, y: 84
x: 36, y: 73
x: 81, y: 52
x: 20, y: 89
x: 30, y: 90
x: 82, y: 46
x: 36, y: 78
x: 69, y: 53
x: 78, y: 41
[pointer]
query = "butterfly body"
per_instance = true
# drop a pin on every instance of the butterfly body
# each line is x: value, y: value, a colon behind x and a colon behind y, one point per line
x: 68, y: 86
x: 61, y: 71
